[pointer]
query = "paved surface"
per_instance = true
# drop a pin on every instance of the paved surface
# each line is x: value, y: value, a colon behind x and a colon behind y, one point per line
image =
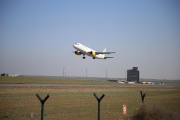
x: 54, y: 85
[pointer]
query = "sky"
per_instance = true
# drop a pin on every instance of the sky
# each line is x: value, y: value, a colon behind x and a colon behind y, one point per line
x: 37, y: 37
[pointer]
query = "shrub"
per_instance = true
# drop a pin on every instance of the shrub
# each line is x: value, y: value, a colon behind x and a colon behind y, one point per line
x: 154, y: 113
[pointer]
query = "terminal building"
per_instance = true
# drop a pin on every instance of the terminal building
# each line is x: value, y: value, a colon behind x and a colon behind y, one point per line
x: 133, y: 75
x: 10, y: 75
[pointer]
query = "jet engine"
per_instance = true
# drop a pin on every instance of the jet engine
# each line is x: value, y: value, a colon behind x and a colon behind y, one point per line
x: 77, y: 53
x: 93, y: 53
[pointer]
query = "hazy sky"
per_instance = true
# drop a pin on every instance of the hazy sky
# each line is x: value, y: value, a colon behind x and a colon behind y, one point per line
x: 37, y: 37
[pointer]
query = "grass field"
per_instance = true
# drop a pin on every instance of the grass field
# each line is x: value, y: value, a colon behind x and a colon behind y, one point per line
x: 74, y: 99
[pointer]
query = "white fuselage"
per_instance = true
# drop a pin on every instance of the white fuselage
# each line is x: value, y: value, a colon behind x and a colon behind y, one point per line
x: 85, y: 50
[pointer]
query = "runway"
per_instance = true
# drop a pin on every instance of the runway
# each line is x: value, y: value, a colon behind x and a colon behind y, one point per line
x: 20, y: 84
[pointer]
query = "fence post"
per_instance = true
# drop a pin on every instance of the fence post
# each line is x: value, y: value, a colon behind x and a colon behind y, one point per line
x: 99, y: 100
x: 142, y: 96
x: 42, y: 104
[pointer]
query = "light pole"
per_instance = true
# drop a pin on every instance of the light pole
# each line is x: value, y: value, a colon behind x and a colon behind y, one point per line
x: 65, y: 74
x: 86, y: 73
x: 106, y: 74
x: 125, y: 75
x: 63, y: 71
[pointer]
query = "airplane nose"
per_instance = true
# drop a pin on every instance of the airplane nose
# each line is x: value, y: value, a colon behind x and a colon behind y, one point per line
x: 74, y: 45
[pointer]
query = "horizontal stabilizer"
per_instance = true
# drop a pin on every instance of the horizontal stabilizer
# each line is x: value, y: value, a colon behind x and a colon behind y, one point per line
x: 108, y: 57
x: 105, y: 52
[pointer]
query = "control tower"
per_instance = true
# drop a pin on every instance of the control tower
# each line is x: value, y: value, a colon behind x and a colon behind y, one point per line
x: 133, y: 75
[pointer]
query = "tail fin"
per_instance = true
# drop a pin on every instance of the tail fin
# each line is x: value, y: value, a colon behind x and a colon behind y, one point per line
x: 105, y: 50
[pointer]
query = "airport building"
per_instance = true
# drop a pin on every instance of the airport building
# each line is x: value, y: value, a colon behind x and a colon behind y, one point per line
x: 133, y: 75
x: 10, y: 75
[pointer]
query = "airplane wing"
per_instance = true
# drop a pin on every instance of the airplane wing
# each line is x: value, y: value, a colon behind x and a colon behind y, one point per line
x: 104, y: 52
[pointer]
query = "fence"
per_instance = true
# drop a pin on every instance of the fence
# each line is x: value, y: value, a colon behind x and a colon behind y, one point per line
x: 79, y: 103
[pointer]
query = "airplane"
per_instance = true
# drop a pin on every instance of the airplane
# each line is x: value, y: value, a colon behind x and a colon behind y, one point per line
x: 81, y: 49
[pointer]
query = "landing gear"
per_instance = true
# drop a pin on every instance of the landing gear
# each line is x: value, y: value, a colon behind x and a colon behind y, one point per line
x: 83, y: 56
x: 93, y: 57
